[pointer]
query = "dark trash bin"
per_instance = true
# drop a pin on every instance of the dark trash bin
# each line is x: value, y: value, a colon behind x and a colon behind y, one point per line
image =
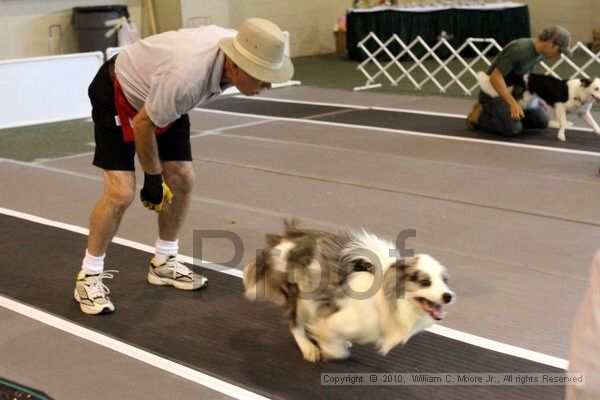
x: 90, y: 26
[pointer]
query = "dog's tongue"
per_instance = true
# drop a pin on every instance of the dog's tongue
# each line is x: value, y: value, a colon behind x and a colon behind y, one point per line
x: 437, y: 312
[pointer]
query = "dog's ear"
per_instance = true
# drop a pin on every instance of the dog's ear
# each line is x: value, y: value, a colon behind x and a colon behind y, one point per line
x: 396, y: 278
x: 585, y: 82
x: 272, y: 240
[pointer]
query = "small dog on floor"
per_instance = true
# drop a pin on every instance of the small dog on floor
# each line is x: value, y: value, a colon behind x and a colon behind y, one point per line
x: 564, y: 96
x: 346, y: 287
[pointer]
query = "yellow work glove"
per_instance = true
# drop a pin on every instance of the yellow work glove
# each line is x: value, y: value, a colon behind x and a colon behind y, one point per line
x: 155, y: 194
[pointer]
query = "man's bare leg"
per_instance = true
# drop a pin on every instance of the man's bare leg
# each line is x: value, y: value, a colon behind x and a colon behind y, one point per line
x: 165, y: 270
x: 179, y: 176
x: 119, y: 192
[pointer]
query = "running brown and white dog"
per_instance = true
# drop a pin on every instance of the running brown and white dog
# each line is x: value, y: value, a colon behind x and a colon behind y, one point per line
x: 565, y: 96
x: 346, y: 287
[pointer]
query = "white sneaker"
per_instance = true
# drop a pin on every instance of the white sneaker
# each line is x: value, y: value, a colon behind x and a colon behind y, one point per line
x: 91, y: 293
x: 175, y: 274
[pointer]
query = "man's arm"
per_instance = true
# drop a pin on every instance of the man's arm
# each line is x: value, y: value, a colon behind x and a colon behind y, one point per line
x: 145, y: 142
x: 497, y: 81
x: 155, y: 193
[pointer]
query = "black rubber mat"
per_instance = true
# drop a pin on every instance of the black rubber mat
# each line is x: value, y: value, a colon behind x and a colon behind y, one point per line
x: 270, y: 108
x: 217, y: 331
x: 15, y: 391
x: 447, y: 126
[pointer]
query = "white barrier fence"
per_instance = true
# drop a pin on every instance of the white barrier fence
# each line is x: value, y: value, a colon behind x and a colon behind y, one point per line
x: 466, y: 75
x: 46, y: 89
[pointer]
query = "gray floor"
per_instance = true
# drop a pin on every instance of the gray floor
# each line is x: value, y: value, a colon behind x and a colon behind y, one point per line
x: 516, y: 227
x: 68, y: 367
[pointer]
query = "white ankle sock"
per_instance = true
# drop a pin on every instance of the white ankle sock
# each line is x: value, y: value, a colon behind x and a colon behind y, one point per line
x: 164, y: 249
x: 92, y: 265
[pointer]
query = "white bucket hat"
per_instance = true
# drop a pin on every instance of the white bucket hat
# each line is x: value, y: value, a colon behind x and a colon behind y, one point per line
x: 258, y: 49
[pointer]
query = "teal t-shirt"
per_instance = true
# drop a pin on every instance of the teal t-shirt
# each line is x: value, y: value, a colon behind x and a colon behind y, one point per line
x: 516, y: 59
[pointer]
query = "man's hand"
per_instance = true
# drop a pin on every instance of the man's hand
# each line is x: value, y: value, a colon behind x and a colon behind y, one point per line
x: 155, y: 194
x: 516, y: 111
x: 498, y: 83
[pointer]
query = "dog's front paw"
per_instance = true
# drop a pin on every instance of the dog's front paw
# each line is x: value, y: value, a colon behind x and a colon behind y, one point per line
x: 561, y: 136
x: 310, y: 352
x: 597, y: 131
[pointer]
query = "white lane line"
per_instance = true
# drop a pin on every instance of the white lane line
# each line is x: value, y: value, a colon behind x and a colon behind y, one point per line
x: 51, y: 168
x: 356, y: 107
x: 316, y: 103
x: 411, y: 111
x: 194, y: 134
x: 44, y: 160
x: 129, y: 350
x: 415, y: 133
x: 205, y: 200
x: 230, y: 91
x: 436, y: 329
x: 499, y: 347
x: 262, y: 120
x: 399, y: 110
x: 125, y: 242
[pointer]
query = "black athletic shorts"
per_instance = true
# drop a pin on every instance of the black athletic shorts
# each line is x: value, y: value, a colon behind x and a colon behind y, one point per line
x: 112, y: 152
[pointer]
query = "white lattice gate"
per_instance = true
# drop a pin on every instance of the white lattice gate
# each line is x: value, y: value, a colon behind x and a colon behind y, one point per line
x: 437, y: 70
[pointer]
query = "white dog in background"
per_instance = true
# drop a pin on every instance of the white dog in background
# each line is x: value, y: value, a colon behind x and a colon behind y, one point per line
x: 346, y: 287
x: 564, y: 96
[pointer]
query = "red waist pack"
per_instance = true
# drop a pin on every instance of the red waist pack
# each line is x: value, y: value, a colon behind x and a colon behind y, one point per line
x: 126, y: 113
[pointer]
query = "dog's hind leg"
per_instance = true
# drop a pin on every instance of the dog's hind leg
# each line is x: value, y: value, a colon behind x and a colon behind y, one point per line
x: 310, y: 351
x: 561, y: 115
x: 587, y: 117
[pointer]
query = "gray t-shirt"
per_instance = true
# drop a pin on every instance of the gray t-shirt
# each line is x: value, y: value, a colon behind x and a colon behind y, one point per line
x: 173, y: 72
x: 518, y: 58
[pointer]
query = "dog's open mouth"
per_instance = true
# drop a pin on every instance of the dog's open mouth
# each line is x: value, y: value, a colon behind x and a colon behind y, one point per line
x: 431, y: 308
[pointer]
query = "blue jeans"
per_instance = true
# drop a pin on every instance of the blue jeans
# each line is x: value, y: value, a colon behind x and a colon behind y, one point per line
x: 495, y: 117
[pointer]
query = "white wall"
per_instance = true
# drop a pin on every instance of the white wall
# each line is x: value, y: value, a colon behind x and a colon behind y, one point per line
x: 24, y: 24
x: 580, y: 17
x: 218, y: 10
x: 310, y: 22
x: 167, y: 15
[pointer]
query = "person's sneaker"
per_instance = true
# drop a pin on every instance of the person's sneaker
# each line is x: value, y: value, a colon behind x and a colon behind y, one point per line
x: 91, y: 293
x: 473, y: 117
x: 176, y: 274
